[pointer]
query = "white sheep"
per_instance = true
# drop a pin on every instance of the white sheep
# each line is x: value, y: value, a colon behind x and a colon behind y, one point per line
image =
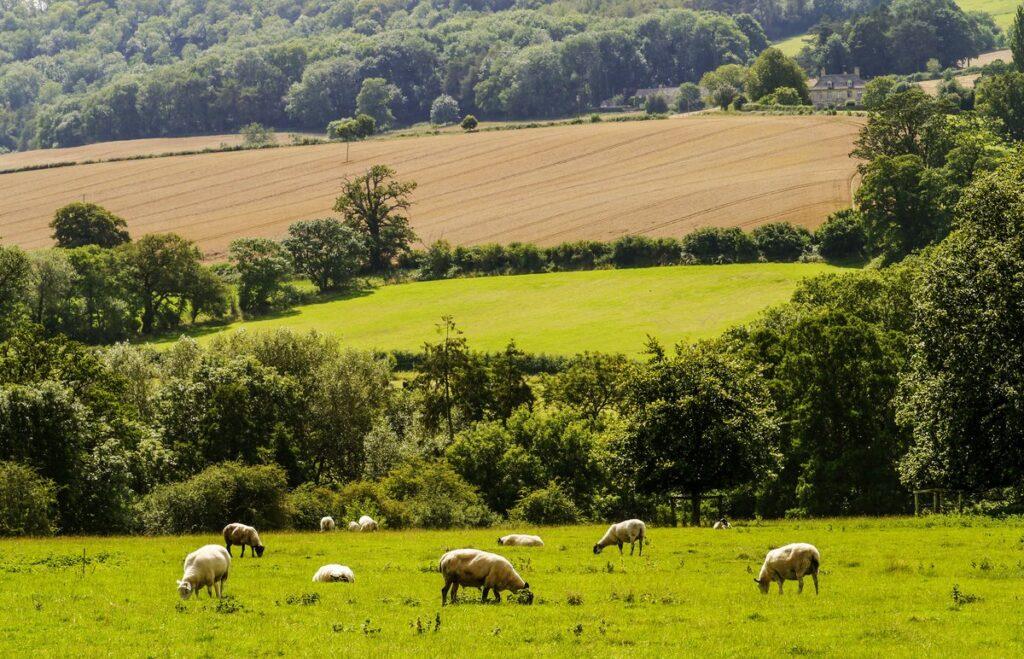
x: 792, y: 562
x: 479, y: 569
x: 631, y: 531
x: 722, y: 525
x: 327, y: 523
x: 520, y: 540
x: 366, y: 523
x: 240, y: 534
x: 334, y: 572
x: 207, y: 566
x: 353, y: 526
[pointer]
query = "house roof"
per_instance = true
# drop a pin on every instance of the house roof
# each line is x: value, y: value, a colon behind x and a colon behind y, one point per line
x: 839, y: 81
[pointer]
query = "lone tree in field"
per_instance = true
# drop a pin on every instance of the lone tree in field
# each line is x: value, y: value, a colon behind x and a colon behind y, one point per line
x: 469, y: 123
x: 81, y: 223
x: 698, y: 421
x: 372, y: 205
x: 350, y: 130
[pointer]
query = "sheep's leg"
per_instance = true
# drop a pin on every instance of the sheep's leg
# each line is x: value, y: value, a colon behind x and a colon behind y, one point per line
x: 620, y: 549
x: 641, y: 545
x: 632, y: 547
x: 814, y: 575
x: 243, y: 551
x: 444, y: 591
x: 455, y: 592
x: 800, y: 585
x: 497, y: 597
x: 483, y: 598
x: 781, y: 581
x: 229, y: 548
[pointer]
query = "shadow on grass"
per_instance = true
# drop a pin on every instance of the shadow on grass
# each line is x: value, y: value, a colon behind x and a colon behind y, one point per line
x: 206, y: 328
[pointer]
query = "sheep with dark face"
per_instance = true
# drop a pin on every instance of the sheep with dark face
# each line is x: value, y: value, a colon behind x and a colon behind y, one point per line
x: 240, y: 534
x: 790, y: 563
x: 207, y: 566
x: 353, y: 526
x: 480, y: 569
x: 520, y: 540
x: 722, y: 525
x: 631, y: 531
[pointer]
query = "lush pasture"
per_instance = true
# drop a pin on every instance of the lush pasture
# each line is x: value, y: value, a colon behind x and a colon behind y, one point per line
x: 886, y: 589
x: 558, y: 313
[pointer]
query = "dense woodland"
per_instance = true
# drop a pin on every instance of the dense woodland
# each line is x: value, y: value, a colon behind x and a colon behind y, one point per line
x: 865, y: 385
x: 79, y: 72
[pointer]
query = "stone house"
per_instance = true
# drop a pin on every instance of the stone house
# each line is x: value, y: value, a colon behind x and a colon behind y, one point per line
x: 837, y: 90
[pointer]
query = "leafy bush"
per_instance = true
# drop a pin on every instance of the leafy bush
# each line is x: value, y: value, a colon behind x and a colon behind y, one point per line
x: 718, y: 245
x: 842, y: 235
x: 309, y: 502
x: 781, y: 241
x: 224, y: 493
x: 580, y: 255
x: 782, y: 96
x: 27, y: 501
x: 548, y: 505
x: 469, y: 122
x: 656, y: 104
x: 641, y: 252
x: 436, y: 497
x: 444, y: 111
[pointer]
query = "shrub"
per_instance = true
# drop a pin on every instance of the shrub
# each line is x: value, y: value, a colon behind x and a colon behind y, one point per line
x: 842, y: 236
x: 469, y: 122
x: 781, y: 241
x: 309, y: 502
x: 256, y: 135
x: 436, y: 497
x: 718, y: 245
x: 581, y: 255
x: 524, y: 258
x: 548, y: 505
x: 641, y: 252
x: 223, y: 493
x: 656, y: 104
x: 437, y: 262
x: 27, y: 501
x: 689, y: 98
x: 782, y: 96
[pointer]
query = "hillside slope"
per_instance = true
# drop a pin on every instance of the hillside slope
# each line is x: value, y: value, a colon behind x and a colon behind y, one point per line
x: 557, y: 313
x: 595, y: 181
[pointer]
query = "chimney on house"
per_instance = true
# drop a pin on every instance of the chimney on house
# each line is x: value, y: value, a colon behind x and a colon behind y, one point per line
x: 856, y: 71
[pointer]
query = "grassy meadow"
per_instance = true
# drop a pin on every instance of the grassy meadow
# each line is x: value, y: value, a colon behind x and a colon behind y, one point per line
x: 556, y: 313
x: 886, y: 589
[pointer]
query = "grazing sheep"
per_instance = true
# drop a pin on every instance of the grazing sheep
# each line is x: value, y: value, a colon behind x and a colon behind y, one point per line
x: 479, y: 569
x: 326, y: 523
x: 334, y: 572
x: 353, y: 526
x: 792, y: 562
x: 240, y: 534
x: 631, y: 531
x: 366, y: 523
x: 722, y: 524
x: 207, y: 566
x: 520, y: 540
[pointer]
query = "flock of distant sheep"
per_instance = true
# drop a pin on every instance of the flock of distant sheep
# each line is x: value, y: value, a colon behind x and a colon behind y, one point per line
x: 208, y: 566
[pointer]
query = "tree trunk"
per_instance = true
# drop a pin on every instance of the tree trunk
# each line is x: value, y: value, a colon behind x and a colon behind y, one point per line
x: 147, y: 316
x: 695, y: 508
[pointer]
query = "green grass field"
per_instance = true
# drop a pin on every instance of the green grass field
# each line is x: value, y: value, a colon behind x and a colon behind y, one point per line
x: 886, y: 589
x: 558, y: 313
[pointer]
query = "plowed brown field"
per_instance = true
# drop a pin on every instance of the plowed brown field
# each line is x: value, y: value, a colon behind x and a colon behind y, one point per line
x: 545, y: 185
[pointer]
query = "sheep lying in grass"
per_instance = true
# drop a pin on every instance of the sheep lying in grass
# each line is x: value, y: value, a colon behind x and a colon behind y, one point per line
x: 366, y: 523
x: 722, y: 524
x: 240, y: 534
x: 480, y: 569
x: 326, y: 523
x: 631, y: 531
x: 333, y: 573
x: 207, y: 566
x: 353, y: 526
x: 520, y: 540
x: 792, y: 562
